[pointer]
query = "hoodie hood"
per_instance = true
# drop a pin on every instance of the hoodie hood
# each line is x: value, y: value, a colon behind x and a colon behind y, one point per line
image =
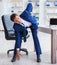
x: 29, y: 7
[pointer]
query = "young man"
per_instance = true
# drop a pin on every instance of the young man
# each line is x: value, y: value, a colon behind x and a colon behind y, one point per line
x: 26, y: 15
x: 20, y: 31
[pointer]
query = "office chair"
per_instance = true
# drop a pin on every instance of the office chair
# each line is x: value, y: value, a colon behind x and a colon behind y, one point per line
x: 9, y: 31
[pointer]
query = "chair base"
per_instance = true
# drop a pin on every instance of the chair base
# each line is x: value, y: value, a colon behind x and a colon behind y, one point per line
x: 23, y: 49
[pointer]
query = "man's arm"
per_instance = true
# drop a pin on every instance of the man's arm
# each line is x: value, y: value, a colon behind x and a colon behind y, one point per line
x: 18, y: 39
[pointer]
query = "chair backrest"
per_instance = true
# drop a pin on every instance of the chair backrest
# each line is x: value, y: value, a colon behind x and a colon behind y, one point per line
x: 8, y: 27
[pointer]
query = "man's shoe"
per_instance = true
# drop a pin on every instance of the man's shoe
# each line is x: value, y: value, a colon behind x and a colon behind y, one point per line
x: 38, y: 58
x: 13, y: 59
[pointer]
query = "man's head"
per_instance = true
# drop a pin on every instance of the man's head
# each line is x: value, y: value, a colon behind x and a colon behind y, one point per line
x: 15, y: 18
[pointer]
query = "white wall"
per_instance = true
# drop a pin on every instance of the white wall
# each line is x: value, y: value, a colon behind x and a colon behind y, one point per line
x: 4, y: 9
x: 42, y: 15
x: 1, y: 13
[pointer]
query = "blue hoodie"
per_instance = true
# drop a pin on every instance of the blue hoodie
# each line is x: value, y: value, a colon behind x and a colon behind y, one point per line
x: 26, y: 15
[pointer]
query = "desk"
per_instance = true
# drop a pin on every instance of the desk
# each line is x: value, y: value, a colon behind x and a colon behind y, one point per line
x: 53, y: 33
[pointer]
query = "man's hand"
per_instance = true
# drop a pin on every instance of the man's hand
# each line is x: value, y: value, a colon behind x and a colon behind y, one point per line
x: 18, y: 55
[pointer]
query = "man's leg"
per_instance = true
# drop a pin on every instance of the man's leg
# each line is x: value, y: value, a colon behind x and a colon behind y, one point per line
x: 16, y: 52
x: 36, y: 43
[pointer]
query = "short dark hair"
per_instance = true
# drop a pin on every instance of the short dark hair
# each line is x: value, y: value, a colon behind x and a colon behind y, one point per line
x: 12, y: 17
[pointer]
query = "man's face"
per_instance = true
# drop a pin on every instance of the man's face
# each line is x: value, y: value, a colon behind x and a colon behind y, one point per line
x: 17, y: 19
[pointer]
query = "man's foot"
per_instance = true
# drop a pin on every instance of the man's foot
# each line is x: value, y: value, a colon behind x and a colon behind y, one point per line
x: 18, y: 55
x: 13, y: 59
x: 38, y: 58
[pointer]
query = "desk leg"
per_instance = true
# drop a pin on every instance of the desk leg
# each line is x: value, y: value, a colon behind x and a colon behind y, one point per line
x: 53, y: 46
